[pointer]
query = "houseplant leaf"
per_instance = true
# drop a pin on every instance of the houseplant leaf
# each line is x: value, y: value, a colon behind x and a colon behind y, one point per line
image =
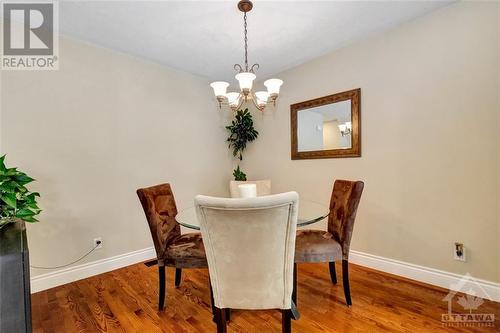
x: 9, y: 186
x: 23, y: 179
x: 16, y: 201
x: 2, y: 164
x: 239, y: 175
x: 9, y: 199
x: 25, y: 212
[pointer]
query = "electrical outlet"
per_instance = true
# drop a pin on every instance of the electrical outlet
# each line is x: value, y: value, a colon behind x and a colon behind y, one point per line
x: 98, y: 243
x: 459, y: 252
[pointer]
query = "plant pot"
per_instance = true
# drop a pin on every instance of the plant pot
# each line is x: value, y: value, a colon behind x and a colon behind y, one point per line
x: 7, y: 220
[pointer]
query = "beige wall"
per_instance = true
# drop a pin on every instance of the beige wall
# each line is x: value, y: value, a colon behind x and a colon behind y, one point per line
x: 430, y: 138
x: 331, y: 135
x: 96, y: 130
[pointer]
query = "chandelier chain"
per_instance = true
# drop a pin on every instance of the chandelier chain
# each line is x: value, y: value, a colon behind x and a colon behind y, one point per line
x: 246, y: 41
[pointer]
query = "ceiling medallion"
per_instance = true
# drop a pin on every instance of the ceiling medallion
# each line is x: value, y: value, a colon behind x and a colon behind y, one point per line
x: 245, y: 77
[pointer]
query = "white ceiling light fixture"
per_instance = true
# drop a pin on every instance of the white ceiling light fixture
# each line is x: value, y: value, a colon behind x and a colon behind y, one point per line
x: 245, y: 77
x: 345, y: 128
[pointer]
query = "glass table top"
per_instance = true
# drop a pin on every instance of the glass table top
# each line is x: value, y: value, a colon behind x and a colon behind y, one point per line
x: 309, y: 212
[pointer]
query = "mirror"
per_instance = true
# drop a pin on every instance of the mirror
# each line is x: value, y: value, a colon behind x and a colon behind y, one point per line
x: 326, y: 127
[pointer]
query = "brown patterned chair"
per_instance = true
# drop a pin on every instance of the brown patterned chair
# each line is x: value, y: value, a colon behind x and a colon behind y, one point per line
x: 172, y: 248
x: 332, y: 245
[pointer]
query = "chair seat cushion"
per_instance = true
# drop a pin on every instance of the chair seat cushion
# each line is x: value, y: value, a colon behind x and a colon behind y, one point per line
x: 316, y: 246
x: 186, y: 251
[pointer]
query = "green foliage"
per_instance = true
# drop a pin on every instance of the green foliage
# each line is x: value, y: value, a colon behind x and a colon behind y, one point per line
x: 239, y: 175
x: 241, y: 132
x: 15, y: 199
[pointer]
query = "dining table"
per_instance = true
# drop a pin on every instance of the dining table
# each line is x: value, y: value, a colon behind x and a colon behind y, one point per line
x: 309, y: 212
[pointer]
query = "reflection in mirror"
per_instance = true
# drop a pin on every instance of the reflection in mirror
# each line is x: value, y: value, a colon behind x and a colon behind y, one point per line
x: 325, y: 127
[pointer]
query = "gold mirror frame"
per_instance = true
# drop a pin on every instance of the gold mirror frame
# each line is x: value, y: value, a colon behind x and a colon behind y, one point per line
x: 355, y: 150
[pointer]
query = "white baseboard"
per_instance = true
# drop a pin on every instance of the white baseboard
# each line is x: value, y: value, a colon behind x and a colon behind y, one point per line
x: 70, y: 274
x: 428, y: 275
x: 424, y: 274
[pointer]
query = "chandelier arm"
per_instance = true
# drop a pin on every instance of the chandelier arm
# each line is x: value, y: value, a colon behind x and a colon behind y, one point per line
x: 238, y: 68
x: 254, y: 68
x: 241, y: 99
x: 254, y: 100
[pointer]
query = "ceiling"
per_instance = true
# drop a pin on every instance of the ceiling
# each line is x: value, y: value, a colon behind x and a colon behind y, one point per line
x: 206, y: 37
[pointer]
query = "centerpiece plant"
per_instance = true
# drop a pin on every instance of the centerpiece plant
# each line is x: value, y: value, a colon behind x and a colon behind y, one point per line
x: 241, y: 131
x: 16, y: 201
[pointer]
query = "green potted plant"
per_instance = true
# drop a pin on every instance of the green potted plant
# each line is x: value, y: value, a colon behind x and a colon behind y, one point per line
x: 241, y: 131
x: 239, y: 175
x: 16, y: 201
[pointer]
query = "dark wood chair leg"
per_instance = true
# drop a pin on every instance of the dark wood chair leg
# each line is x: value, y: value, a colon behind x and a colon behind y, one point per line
x: 345, y: 281
x: 286, y: 321
x: 214, y: 309
x: 294, y: 291
x: 333, y: 273
x: 228, y: 315
x: 161, y: 301
x: 178, y: 274
x: 220, y: 315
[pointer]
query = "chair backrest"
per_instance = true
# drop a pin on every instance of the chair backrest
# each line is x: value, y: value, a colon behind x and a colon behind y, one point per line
x: 250, y: 248
x: 263, y: 187
x: 159, y: 206
x: 343, y: 206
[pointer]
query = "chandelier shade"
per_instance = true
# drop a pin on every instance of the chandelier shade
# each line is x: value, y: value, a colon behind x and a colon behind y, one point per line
x: 245, y: 77
x: 262, y: 97
x: 232, y: 98
x: 246, y: 80
x: 220, y: 88
x: 273, y: 86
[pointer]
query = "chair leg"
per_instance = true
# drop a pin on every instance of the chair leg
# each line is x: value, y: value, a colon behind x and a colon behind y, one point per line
x: 214, y: 309
x: 161, y: 301
x: 178, y: 274
x: 228, y: 314
x: 333, y: 273
x: 286, y: 321
x: 294, y: 291
x: 220, y: 315
x: 345, y: 280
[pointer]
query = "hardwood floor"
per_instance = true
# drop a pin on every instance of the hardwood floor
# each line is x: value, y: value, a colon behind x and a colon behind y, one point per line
x: 126, y: 300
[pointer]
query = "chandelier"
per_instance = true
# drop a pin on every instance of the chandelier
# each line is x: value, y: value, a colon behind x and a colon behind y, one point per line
x: 245, y: 77
x: 345, y: 128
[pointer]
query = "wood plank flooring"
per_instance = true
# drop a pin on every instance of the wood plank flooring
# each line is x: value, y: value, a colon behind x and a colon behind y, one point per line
x: 126, y: 300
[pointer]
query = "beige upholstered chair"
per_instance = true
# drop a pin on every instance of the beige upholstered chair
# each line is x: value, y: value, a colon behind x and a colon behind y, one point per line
x: 250, y: 246
x: 332, y: 245
x: 263, y: 187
